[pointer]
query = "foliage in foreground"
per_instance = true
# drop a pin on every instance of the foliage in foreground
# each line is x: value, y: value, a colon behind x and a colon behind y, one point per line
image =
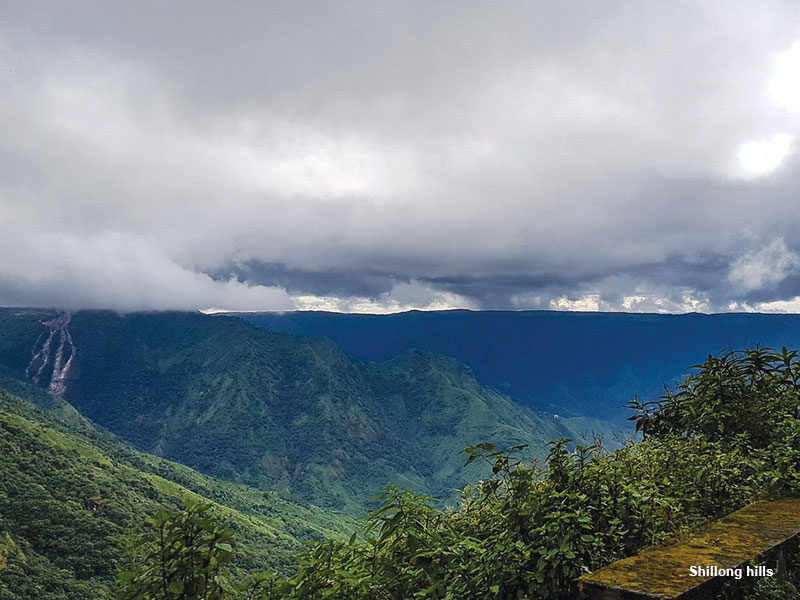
x: 182, y: 555
x: 727, y: 436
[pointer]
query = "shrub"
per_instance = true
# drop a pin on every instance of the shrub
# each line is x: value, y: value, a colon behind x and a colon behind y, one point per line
x: 183, y: 556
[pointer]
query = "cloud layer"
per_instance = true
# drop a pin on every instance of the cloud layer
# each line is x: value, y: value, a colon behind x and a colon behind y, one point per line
x: 373, y: 156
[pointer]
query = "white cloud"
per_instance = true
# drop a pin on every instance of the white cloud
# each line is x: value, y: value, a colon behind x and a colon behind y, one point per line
x: 589, y: 302
x: 402, y: 297
x: 775, y: 306
x: 116, y: 270
x: 690, y: 301
x: 517, y: 158
x: 765, y: 267
x: 648, y: 298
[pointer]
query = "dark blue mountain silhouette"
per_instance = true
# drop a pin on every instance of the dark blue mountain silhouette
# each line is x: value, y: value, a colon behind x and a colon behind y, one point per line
x: 569, y: 363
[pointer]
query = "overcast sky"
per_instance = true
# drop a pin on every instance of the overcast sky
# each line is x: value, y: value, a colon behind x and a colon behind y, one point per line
x: 381, y: 156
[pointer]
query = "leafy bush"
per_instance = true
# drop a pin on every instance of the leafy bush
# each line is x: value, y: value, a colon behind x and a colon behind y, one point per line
x: 738, y: 397
x: 183, y: 556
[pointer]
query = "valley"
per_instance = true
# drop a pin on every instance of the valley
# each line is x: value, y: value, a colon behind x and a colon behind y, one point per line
x: 279, y: 412
x: 106, y: 418
x: 71, y: 496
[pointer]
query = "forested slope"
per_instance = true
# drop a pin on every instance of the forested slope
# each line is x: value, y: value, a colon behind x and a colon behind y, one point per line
x: 70, y: 496
x: 275, y: 411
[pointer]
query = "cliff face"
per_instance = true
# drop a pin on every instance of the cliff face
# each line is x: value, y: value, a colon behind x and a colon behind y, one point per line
x: 53, y: 354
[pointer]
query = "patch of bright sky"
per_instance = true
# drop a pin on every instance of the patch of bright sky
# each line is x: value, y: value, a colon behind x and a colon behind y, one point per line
x: 402, y: 297
x: 765, y: 156
x: 690, y: 301
x: 776, y: 306
x: 785, y: 84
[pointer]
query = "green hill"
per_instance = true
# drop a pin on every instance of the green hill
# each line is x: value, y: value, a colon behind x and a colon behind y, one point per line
x: 70, y: 496
x: 274, y: 411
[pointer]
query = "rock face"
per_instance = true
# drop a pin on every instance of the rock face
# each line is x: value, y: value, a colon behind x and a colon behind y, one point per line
x: 55, y: 355
x: 725, y: 550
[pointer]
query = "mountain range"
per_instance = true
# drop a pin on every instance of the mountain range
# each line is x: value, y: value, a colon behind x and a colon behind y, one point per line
x: 274, y: 411
x: 569, y: 363
x: 290, y: 423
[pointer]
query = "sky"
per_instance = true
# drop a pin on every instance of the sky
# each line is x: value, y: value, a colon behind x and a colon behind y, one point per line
x: 384, y: 156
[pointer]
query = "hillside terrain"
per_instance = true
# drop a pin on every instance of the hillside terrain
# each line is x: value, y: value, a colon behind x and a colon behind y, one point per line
x: 726, y: 437
x: 278, y: 417
x: 274, y: 411
x: 71, y: 496
x: 587, y: 364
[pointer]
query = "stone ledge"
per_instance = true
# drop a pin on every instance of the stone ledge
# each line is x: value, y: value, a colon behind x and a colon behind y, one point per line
x: 662, y: 573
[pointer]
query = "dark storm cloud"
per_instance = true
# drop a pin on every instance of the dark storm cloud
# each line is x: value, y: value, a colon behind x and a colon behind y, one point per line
x: 388, y: 155
x: 340, y: 282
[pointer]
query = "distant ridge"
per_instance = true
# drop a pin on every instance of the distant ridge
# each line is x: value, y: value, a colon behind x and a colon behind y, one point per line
x: 570, y: 363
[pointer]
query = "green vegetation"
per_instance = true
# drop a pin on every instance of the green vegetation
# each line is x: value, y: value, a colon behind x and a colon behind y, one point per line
x: 529, y: 532
x: 71, y: 497
x: 279, y: 412
x: 298, y: 418
x: 182, y: 555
